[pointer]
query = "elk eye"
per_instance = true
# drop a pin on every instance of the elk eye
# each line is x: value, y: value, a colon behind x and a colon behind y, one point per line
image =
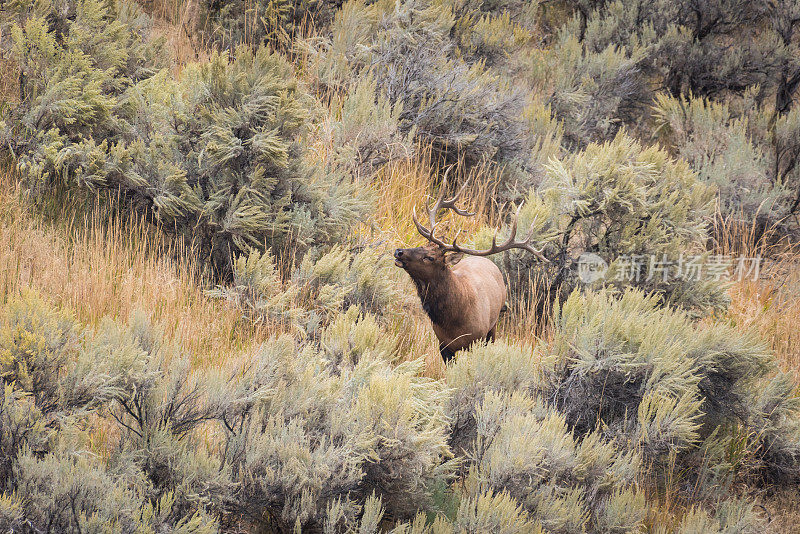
x: 427, y: 258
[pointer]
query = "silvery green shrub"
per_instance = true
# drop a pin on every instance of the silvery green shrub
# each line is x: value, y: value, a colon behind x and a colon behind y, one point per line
x: 216, y: 156
x: 744, y: 150
x: 630, y: 206
x: 317, y: 292
x: 149, y: 480
x: 652, y: 379
x: 461, y: 109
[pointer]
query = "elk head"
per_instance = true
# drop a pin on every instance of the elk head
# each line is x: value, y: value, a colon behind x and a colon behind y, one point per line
x: 425, y: 262
x: 437, y: 254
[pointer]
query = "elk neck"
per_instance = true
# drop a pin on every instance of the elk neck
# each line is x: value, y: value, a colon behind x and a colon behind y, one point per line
x: 441, y: 297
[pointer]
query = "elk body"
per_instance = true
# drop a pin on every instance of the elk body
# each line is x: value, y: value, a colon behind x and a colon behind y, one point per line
x: 461, y: 290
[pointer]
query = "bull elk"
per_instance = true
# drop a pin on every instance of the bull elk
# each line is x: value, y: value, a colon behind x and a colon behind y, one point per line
x: 461, y: 290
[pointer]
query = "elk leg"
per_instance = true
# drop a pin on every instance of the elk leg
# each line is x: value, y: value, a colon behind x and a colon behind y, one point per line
x: 447, y: 353
x: 490, y: 335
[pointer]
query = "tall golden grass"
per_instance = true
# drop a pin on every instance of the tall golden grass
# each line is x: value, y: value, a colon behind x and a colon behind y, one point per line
x: 98, y: 263
x: 770, y: 304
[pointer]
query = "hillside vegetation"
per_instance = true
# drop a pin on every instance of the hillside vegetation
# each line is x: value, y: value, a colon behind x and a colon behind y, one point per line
x: 202, y: 329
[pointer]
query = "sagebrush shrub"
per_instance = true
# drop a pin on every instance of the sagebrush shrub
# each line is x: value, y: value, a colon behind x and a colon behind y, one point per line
x: 734, y: 515
x: 71, y: 491
x: 317, y: 290
x: 36, y: 346
x: 160, y: 410
x: 330, y: 428
x: 562, y: 428
x: 621, y: 202
x: 23, y: 428
x: 215, y: 156
x: 654, y: 380
x: 514, y: 441
x: 367, y: 134
x: 488, y: 37
x: 487, y: 512
x: 39, y: 352
x: 566, y: 484
x: 687, y: 43
x: 301, y: 434
x: 747, y: 159
x: 325, y: 435
x: 775, y: 439
x: 152, y: 478
x: 479, y: 371
x: 612, y: 58
x: 461, y: 110
x: 593, y: 92
x: 76, y: 62
x: 338, y: 434
x: 718, y: 145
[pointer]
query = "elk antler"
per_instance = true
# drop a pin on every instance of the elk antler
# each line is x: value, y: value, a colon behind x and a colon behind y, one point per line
x: 509, y: 243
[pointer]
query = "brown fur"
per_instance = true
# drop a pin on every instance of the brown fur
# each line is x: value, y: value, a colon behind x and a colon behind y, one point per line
x: 462, y: 295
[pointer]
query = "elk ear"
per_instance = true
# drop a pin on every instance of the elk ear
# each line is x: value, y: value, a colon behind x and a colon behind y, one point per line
x: 455, y: 257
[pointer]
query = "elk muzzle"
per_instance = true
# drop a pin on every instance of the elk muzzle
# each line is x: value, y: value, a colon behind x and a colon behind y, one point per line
x: 398, y: 257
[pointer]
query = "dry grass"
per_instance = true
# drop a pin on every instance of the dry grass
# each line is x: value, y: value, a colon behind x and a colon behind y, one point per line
x: 409, y: 184
x: 98, y: 265
x: 769, y: 305
x: 175, y: 22
x: 781, y: 511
